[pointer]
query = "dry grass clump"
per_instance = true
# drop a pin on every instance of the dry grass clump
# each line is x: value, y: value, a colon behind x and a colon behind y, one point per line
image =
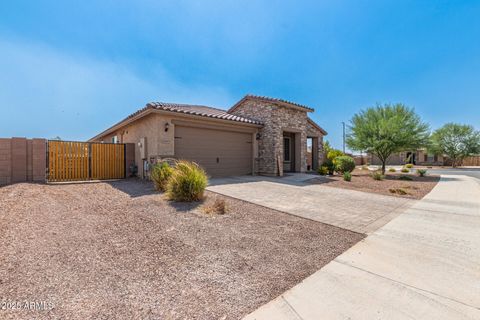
x: 187, y: 182
x: 399, y: 191
x: 161, y: 172
x: 217, y: 207
x: 377, y: 175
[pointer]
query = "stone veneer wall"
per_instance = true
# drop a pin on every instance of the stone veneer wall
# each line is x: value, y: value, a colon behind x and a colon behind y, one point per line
x: 314, y: 132
x: 276, y: 119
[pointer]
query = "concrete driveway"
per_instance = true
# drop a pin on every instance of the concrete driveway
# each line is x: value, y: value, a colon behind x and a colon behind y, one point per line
x: 424, y: 264
x: 348, y: 209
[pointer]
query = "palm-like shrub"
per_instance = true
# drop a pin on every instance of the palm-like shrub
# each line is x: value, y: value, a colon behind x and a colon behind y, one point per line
x: 344, y: 164
x: 160, y: 174
x: 187, y: 182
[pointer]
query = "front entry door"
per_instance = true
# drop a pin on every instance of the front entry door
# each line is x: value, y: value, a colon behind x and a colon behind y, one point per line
x: 287, y: 154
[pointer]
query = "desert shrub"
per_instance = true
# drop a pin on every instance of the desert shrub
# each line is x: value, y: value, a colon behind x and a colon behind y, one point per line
x: 377, y: 175
x: 217, y: 207
x: 392, y: 170
x: 329, y: 166
x: 365, y: 167
x: 405, y: 178
x: 422, y: 172
x: 187, y: 182
x: 399, y: 191
x: 323, y: 170
x: 344, y: 164
x: 405, y: 170
x: 160, y: 174
x: 409, y: 166
x: 332, y: 154
x: 347, y: 176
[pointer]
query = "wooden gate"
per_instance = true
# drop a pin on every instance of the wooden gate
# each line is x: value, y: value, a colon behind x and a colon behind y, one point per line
x: 77, y: 161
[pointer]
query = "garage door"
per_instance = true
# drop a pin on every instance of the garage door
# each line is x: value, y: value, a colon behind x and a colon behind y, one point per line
x: 221, y: 153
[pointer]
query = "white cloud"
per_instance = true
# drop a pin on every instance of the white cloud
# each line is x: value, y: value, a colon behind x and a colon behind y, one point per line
x: 46, y: 93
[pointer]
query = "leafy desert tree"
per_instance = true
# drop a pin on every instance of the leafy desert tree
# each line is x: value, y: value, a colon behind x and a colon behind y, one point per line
x: 455, y: 140
x: 387, y: 129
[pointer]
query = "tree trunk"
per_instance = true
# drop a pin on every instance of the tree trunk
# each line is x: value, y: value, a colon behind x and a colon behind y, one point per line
x: 383, y: 167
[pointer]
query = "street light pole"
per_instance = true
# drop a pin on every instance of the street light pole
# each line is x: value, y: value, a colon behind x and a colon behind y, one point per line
x: 343, y: 123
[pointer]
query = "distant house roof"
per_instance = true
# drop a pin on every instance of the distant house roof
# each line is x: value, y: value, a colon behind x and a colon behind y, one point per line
x: 277, y: 101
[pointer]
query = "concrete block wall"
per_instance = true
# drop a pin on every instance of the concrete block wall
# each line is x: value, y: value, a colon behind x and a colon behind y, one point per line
x: 22, y: 160
x: 5, y: 161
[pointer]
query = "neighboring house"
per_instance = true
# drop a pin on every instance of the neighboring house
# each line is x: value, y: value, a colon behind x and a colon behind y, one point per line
x: 258, y: 135
x: 418, y: 157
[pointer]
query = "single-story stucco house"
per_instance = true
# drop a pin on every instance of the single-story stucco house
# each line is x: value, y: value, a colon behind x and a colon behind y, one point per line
x: 416, y: 157
x: 258, y: 135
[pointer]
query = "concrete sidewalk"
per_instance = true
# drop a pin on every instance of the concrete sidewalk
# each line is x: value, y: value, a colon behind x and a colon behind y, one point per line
x: 424, y: 264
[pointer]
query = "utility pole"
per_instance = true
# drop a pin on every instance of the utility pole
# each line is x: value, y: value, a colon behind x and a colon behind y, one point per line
x: 343, y: 123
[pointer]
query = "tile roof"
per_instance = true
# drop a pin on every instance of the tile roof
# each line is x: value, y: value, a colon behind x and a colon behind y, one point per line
x: 274, y: 100
x: 197, y: 110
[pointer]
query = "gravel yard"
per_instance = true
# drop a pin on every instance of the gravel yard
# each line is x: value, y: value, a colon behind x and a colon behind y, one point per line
x: 417, y: 188
x: 118, y: 250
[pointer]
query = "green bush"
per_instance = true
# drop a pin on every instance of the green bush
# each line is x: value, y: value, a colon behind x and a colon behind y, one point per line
x: 377, y: 175
x: 409, y: 166
x: 323, y: 170
x: 405, y: 178
x: 405, y: 170
x: 392, y: 170
x: 187, y: 182
x: 347, y: 176
x: 422, y: 172
x: 344, y: 164
x: 160, y: 174
x: 332, y: 154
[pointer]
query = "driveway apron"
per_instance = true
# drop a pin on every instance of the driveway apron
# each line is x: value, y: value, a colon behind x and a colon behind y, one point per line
x: 424, y: 264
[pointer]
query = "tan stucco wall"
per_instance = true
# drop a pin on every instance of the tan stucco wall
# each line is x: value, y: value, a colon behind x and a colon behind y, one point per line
x: 160, y: 143
x: 400, y: 157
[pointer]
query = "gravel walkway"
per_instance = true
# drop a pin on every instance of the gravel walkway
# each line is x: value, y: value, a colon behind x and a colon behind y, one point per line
x: 119, y: 251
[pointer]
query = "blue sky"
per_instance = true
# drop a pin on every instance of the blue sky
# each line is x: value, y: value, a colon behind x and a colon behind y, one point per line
x: 73, y: 68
